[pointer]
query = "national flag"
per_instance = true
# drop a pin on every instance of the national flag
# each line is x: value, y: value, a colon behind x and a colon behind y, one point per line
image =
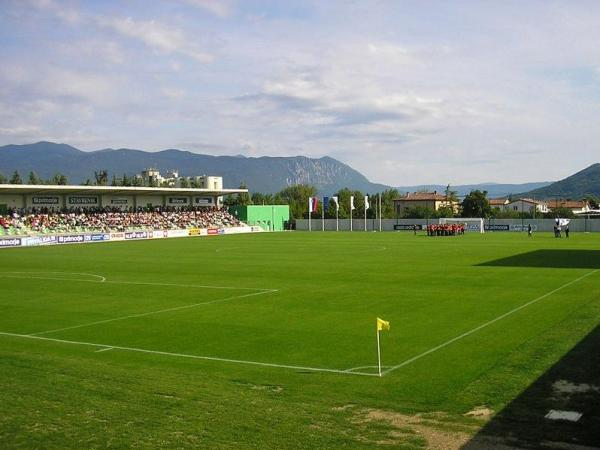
x: 352, y: 208
x: 313, y: 202
x: 367, y: 206
x: 382, y: 325
x: 337, y: 204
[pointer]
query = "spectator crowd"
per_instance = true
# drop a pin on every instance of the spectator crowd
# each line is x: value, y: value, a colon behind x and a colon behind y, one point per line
x: 107, y: 219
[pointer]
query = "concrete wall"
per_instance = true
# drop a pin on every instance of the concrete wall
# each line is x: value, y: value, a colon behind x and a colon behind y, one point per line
x: 12, y: 201
x: 576, y: 225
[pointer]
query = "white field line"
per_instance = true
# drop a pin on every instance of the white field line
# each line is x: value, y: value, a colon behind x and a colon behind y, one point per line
x: 474, y: 330
x: 183, y: 355
x: 176, y: 308
x: 104, y: 349
x: 43, y: 276
x: 104, y: 280
x: 365, y: 367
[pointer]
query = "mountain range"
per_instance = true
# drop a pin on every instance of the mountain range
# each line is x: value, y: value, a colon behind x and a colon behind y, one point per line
x: 261, y: 174
x: 581, y: 184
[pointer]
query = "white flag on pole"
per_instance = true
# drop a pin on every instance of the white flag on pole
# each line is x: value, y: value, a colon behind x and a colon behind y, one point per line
x: 367, y: 206
x: 337, y: 205
x: 352, y: 208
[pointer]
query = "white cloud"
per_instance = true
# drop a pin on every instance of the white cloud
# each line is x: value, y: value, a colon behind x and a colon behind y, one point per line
x: 157, y: 36
x: 220, y: 8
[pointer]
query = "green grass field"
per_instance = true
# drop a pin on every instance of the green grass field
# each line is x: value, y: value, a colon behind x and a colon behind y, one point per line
x: 269, y: 340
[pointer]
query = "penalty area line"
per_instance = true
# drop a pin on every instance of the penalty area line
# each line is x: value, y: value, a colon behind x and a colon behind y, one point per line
x: 150, y: 313
x: 474, y: 330
x: 106, y: 347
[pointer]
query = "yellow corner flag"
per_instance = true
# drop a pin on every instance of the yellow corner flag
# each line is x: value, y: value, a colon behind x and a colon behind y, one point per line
x: 382, y: 324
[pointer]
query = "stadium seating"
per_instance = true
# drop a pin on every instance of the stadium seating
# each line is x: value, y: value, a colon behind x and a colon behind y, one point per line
x: 28, y: 222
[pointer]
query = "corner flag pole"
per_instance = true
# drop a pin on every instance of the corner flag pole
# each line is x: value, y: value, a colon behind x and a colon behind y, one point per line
x: 378, y: 352
x: 380, y: 325
x: 323, y: 216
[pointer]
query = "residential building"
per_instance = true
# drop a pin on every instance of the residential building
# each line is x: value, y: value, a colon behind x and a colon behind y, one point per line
x: 429, y: 200
x: 526, y: 205
x: 577, y: 206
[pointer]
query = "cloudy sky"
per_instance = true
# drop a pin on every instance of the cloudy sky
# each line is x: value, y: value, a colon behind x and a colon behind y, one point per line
x: 407, y: 92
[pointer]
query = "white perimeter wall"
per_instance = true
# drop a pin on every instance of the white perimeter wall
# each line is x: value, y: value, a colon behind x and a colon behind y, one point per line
x: 576, y: 225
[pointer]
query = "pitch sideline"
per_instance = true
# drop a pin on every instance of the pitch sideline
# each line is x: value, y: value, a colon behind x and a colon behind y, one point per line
x: 184, y: 355
x: 490, y: 322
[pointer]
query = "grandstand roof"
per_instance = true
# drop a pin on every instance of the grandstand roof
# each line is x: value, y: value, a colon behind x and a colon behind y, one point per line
x: 114, y: 190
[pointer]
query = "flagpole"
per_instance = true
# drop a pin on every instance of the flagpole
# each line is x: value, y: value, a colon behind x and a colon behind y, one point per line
x: 378, y: 353
x: 380, y: 211
x: 309, y: 213
x: 337, y: 217
x: 365, y: 217
x: 323, y: 216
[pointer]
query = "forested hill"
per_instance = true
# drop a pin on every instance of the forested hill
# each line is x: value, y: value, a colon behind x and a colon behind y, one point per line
x: 263, y: 174
x: 577, y: 186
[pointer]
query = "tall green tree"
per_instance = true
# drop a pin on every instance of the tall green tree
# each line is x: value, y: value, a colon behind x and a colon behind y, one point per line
x: 3, y: 179
x: 296, y: 197
x: 476, y: 204
x: 125, y: 181
x: 387, y: 203
x: 60, y: 179
x: 33, y: 178
x: 101, y: 177
x: 114, y: 181
x: 16, y: 178
x: 244, y: 197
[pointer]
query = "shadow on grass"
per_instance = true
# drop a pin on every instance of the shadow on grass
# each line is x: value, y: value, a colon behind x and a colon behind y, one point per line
x: 568, y: 259
x: 572, y: 384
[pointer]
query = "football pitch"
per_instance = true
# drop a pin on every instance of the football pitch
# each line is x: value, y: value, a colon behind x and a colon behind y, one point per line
x: 269, y: 340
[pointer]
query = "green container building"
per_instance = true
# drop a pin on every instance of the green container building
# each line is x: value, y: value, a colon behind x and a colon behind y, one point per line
x: 268, y: 217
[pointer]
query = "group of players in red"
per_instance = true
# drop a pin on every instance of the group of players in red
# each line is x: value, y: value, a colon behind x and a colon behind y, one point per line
x: 446, y: 229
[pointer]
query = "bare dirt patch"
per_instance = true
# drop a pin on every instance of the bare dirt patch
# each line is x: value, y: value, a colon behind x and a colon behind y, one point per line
x: 343, y: 408
x: 436, y: 430
x: 480, y: 412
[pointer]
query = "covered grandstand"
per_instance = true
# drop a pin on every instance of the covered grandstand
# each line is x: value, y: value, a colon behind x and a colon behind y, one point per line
x: 32, y: 210
x: 124, y: 198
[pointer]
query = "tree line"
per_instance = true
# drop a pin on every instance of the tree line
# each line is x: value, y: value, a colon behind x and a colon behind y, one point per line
x: 474, y: 204
x: 57, y: 178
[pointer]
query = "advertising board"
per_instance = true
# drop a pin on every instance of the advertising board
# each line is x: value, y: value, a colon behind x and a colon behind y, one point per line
x: 10, y: 242
x: 136, y: 235
x: 70, y: 239
x: 44, y: 200
x: 83, y: 200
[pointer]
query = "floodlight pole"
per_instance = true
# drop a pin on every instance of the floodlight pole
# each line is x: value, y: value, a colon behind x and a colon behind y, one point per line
x: 378, y: 353
x: 323, y: 217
